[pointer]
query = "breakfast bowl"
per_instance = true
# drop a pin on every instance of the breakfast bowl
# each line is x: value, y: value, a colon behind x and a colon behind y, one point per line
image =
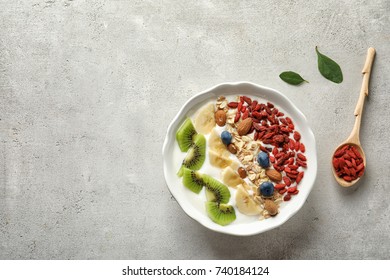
x: 262, y: 125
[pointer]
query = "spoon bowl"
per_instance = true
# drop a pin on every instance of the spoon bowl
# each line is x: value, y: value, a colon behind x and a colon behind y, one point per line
x: 353, y: 139
x: 339, y: 180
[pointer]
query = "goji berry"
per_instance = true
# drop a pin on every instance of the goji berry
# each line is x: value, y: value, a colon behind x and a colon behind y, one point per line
x: 297, y: 136
x: 299, y: 177
x: 253, y: 105
x: 237, y: 117
x: 280, y: 186
x: 297, y: 146
x: 292, y: 189
x: 293, y: 167
x: 257, y: 115
x: 301, y: 157
x: 302, y: 148
x: 287, y: 181
x: 232, y: 105
x: 282, y: 191
x: 245, y: 115
x: 247, y: 100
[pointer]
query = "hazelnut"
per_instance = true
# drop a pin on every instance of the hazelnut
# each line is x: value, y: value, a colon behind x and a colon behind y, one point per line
x: 242, y: 172
x: 220, y: 117
x: 232, y: 148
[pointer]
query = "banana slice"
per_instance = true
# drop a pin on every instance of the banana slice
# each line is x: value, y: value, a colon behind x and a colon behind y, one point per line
x: 231, y: 178
x: 247, y: 187
x: 245, y: 204
x: 221, y: 161
x: 205, y: 120
x: 216, y: 144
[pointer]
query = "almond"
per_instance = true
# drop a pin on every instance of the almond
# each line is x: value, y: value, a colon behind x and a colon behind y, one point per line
x: 220, y: 117
x: 244, y: 126
x: 271, y: 207
x: 273, y: 175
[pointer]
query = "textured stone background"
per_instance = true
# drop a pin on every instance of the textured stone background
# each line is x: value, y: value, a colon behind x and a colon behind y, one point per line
x: 88, y: 88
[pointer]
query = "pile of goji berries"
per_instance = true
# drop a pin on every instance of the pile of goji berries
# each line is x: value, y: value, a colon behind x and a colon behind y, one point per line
x: 272, y: 128
x: 348, y: 163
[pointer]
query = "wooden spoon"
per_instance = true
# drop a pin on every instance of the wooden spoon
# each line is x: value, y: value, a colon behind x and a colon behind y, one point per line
x: 353, y: 139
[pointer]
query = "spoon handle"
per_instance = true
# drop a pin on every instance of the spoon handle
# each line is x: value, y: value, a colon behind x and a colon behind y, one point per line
x: 366, y: 78
x: 354, y: 136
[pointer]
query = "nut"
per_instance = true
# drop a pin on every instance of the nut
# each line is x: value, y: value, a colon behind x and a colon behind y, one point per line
x: 273, y: 175
x: 232, y: 148
x: 220, y: 117
x: 242, y: 172
x: 271, y: 207
x: 244, y: 126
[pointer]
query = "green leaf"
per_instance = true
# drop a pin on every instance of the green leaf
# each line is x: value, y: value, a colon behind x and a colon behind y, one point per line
x: 329, y: 68
x: 292, y: 78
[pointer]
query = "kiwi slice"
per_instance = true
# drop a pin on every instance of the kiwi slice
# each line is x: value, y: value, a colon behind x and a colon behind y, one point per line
x: 215, y: 190
x: 192, y: 180
x: 196, y: 155
x: 185, y: 135
x: 222, y: 214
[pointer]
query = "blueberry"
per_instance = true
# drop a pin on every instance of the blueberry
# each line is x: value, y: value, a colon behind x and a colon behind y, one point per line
x: 263, y: 159
x: 266, y: 189
x: 226, y: 137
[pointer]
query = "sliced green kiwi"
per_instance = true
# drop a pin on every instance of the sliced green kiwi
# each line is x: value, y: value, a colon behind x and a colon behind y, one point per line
x: 192, y: 180
x: 185, y: 135
x: 222, y: 214
x: 196, y: 154
x: 210, y: 196
x: 215, y: 190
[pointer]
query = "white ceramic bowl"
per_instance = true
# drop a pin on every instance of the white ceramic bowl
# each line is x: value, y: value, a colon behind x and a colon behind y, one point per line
x: 193, y: 205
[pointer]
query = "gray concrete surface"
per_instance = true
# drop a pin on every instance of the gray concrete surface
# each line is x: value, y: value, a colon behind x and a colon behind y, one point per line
x: 88, y: 88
